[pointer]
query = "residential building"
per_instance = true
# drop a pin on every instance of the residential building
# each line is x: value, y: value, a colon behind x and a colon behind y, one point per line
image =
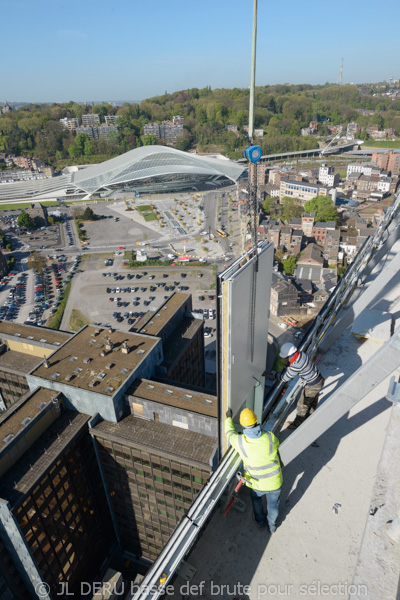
x: 105, y: 130
x: 70, y: 124
x: 389, y: 161
x: 23, y: 348
x: 310, y: 263
x: 152, y: 129
x: 291, y: 239
x: 232, y: 128
x: 153, y: 472
x: 327, y: 176
x: 92, y: 132
x: 182, y: 339
x: 54, y: 517
x: 304, y: 289
x: 302, y: 190
x: 90, y: 120
x: 363, y: 169
x: 284, y: 297
x: 307, y: 223
x: 111, y: 119
x: 351, y: 130
x: 171, y: 130
x: 38, y: 212
x: 261, y: 174
x: 167, y: 131
x: 331, y: 246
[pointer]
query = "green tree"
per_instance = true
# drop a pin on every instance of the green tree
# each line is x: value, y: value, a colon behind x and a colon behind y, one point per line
x: 88, y: 147
x: 290, y: 209
x: 148, y: 140
x: 267, y: 205
x: 24, y: 220
x: 289, y: 264
x: 88, y: 214
x: 323, y: 207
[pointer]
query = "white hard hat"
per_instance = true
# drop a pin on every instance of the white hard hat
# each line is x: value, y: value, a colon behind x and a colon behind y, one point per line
x: 287, y: 350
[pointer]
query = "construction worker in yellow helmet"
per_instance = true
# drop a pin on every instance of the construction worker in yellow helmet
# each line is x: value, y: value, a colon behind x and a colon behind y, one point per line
x: 262, y: 469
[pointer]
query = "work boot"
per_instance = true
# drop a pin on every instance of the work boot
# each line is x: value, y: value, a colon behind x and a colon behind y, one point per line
x: 296, y: 423
x: 263, y: 526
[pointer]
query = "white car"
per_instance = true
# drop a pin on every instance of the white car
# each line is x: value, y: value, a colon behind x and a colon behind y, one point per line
x: 282, y: 325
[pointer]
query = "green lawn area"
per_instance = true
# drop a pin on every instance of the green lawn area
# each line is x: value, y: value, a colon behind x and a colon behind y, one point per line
x: 145, y: 208
x: 372, y: 144
x: 25, y: 205
x: 55, y: 320
x: 150, y: 217
x: 343, y: 173
x: 77, y: 320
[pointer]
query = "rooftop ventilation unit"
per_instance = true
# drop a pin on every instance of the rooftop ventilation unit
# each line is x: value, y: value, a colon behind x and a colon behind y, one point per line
x: 69, y: 377
x: 17, y: 334
x: 8, y: 438
x: 101, y: 376
x: 43, y: 341
x: 42, y: 405
x: 55, y: 375
x: 25, y: 421
x: 87, y: 360
x: 92, y: 384
x: 207, y: 401
x: 150, y: 387
x: 109, y: 366
x: 140, y: 351
x: 187, y: 396
x: 109, y: 389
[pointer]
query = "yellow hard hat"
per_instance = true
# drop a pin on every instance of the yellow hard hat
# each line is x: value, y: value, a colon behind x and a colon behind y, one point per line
x: 247, y: 417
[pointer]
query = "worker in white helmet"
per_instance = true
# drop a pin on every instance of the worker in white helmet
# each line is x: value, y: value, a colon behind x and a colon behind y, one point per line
x: 300, y: 365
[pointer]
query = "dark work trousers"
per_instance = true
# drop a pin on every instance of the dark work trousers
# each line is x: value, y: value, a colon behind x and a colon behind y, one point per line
x: 308, y: 400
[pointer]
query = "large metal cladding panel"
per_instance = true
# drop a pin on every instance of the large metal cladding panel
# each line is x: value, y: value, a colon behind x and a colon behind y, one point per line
x: 243, y: 350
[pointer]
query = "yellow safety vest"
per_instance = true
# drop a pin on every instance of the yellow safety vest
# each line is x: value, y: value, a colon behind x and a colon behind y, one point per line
x: 263, y: 470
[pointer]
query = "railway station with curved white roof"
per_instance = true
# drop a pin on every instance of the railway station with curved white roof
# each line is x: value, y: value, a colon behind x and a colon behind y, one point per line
x: 149, y: 169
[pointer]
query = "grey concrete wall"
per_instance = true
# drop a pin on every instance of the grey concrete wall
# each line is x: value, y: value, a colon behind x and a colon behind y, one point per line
x: 20, y: 553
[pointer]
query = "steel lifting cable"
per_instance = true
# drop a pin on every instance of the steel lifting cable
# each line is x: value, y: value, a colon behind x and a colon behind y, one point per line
x: 253, y: 226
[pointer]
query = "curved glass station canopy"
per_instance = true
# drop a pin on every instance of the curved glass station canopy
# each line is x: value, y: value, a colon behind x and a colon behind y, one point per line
x: 149, y: 169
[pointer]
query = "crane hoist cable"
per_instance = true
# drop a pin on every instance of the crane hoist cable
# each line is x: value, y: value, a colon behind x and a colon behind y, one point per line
x: 253, y: 155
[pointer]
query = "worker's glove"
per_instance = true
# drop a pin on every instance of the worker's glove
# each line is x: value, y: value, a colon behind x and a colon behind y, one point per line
x: 229, y: 413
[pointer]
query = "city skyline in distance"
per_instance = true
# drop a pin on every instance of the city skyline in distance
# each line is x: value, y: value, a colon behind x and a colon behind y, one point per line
x: 110, y: 52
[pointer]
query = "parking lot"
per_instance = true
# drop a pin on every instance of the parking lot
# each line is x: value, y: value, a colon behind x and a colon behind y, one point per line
x: 113, y: 295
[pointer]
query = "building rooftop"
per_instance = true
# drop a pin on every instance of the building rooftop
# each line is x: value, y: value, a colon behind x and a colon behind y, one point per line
x: 19, y: 362
x: 197, y: 402
x: 25, y: 474
x: 79, y: 362
x: 33, y: 334
x: 154, y: 321
x: 196, y: 448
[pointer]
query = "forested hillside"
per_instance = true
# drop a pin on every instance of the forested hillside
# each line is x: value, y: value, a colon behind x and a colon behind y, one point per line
x: 280, y: 110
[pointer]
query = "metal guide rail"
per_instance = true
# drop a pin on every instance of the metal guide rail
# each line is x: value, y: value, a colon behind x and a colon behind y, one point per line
x: 275, y: 411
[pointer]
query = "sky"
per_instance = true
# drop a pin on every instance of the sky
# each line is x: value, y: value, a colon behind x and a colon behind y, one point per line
x: 61, y: 50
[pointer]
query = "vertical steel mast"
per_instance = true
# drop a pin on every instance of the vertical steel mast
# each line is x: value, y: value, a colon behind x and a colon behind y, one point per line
x: 253, y: 72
